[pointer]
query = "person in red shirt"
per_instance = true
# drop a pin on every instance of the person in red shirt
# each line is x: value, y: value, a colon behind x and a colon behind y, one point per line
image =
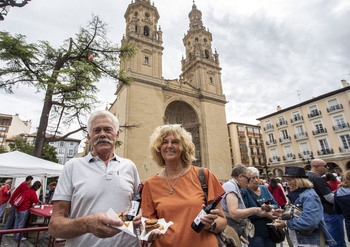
x: 332, y: 181
x: 20, y: 189
x: 277, y: 193
x: 23, y: 210
x: 5, y: 194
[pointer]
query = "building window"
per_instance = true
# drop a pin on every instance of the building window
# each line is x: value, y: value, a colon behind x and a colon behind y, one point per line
x: 281, y: 121
x: 241, y: 128
x: 146, y: 31
x: 61, y: 144
x: 296, y: 116
x: 314, y: 111
x: 288, y: 152
x: 71, y: 143
x: 268, y: 125
x: 318, y: 127
x: 345, y: 140
x: 271, y: 138
x: 339, y: 123
x: 61, y: 151
x: 146, y: 60
x: 2, y: 128
x: 299, y: 132
x: 323, y: 144
x: 304, y: 149
x: 250, y: 129
x: 70, y: 152
x: 284, y: 134
x: 333, y: 105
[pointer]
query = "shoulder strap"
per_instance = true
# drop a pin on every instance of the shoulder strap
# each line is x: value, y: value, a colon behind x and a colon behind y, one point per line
x: 204, y: 185
x: 254, y: 198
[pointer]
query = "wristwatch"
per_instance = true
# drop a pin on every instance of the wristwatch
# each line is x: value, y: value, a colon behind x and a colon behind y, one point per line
x: 212, y: 226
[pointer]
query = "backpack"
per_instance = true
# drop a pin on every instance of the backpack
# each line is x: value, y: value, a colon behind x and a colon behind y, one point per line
x: 20, y: 199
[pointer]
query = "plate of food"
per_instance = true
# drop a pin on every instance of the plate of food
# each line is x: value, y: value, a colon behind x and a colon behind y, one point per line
x: 151, y: 225
x: 126, y: 227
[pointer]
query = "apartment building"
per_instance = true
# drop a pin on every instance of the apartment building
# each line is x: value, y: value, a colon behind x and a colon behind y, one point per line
x: 11, y: 125
x: 316, y: 128
x: 66, y: 149
x: 247, y: 146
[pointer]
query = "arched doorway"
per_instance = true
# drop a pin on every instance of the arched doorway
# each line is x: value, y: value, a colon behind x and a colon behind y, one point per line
x: 179, y: 112
x: 348, y: 165
x: 331, y: 166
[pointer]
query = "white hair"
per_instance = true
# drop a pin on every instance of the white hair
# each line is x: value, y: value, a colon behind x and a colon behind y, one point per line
x: 253, y: 170
x: 102, y: 113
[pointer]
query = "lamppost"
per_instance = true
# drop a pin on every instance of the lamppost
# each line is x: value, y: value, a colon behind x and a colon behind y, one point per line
x: 5, y: 6
x: 308, y: 162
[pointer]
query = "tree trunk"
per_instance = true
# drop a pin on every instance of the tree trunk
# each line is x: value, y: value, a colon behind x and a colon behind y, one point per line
x: 44, y: 121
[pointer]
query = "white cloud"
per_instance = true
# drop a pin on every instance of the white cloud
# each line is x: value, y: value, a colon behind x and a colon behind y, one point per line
x: 268, y: 50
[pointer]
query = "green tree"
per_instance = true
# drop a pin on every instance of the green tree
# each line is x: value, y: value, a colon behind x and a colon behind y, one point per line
x: 2, y: 150
x: 49, y: 152
x: 67, y: 75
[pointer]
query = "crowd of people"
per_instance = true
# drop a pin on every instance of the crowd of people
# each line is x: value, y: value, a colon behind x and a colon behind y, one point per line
x: 89, y: 186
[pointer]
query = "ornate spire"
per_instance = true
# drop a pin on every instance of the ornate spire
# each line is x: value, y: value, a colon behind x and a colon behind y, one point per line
x: 195, y: 17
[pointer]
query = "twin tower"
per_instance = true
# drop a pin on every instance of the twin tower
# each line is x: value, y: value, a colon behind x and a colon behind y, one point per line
x: 195, y: 100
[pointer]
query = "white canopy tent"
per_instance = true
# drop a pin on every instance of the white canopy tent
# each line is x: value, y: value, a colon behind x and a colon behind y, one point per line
x: 20, y: 165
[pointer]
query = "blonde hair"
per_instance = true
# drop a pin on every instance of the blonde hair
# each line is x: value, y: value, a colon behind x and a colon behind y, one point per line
x: 346, y: 179
x: 303, y: 183
x: 186, y: 145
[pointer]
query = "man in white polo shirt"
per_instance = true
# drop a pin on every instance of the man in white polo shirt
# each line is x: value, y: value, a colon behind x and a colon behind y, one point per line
x: 89, y: 186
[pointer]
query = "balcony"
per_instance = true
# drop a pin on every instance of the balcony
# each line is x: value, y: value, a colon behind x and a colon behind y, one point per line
x: 335, y: 108
x: 325, y: 151
x: 285, y: 139
x: 300, y: 136
x: 306, y: 155
x: 268, y: 128
x: 343, y: 126
x: 314, y: 113
x: 269, y: 143
x: 282, y: 124
x: 288, y: 157
x: 274, y: 159
x: 297, y: 119
x: 344, y: 150
x: 319, y: 131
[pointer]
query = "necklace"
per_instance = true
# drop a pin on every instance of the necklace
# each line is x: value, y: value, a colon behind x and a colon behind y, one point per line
x: 167, y: 180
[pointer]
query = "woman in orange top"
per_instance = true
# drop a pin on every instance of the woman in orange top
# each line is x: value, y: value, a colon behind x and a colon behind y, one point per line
x: 176, y: 193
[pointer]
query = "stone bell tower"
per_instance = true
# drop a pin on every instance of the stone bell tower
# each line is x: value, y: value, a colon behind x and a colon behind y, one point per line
x: 195, y: 100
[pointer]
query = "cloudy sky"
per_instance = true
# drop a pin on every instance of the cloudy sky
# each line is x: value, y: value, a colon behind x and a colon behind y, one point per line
x: 272, y: 52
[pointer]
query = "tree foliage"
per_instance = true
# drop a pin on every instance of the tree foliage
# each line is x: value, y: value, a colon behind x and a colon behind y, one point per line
x: 67, y: 75
x: 49, y: 152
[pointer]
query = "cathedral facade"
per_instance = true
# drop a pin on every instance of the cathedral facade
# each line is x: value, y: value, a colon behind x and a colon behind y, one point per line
x: 195, y: 100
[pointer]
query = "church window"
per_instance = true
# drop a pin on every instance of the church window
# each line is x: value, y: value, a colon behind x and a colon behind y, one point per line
x: 146, y: 31
x: 146, y: 60
x: 205, y: 40
x: 206, y: 54
x: 136, y: 13
x: 211, y: 80
x: 147, y: 14
x: 135, y: 28
x: 189, y: 43
x: 196, y: 39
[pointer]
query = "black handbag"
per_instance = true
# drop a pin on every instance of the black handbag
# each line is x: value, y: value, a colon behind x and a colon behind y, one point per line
x: 276, y: 235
